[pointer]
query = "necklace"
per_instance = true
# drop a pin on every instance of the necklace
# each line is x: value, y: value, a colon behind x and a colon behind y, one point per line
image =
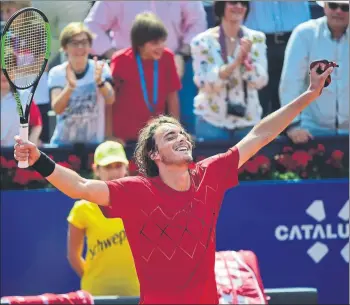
x: 230, y: 39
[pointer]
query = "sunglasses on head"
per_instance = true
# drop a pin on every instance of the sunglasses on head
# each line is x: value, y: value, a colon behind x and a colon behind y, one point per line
x: 243, y: 3
x: 334, y: 6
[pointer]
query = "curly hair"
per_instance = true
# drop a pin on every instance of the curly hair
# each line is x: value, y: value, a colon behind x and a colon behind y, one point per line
x: 146, y: 145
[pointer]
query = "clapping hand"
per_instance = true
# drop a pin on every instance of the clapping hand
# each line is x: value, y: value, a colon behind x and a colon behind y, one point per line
x: 70, y: 76
x: 245, y: 47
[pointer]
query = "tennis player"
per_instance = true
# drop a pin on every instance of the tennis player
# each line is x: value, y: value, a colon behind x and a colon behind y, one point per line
x: 170, y: 211
x: 108, y: 267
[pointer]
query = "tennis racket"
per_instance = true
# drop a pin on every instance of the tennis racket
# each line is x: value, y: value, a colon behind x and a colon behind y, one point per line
x: 25, y: 50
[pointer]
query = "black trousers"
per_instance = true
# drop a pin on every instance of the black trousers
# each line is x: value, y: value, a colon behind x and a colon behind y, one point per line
x: 44, y: 109
x: 268, y: 96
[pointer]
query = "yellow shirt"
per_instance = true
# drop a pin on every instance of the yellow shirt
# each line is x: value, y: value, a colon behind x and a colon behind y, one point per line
x: 109, y: 268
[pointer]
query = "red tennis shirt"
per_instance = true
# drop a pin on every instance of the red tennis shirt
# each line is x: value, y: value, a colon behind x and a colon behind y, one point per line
x: 172, y: 233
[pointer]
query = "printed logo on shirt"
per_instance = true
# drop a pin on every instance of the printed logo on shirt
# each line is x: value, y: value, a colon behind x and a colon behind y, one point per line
x: 117, y: 239
x: 81, y: 117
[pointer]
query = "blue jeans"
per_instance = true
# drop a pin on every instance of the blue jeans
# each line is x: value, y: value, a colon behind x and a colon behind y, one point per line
x: 207, y: 132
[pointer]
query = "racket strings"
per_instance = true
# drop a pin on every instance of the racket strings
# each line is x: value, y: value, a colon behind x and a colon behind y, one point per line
x: 27, y: 42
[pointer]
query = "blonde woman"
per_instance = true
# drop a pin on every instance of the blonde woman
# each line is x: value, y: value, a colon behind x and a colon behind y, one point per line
x: 79, y: 90
x: 108, y: 267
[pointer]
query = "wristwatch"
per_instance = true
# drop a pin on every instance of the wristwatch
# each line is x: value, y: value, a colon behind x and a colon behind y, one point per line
x: 101, y: 84
x: 184, y: 55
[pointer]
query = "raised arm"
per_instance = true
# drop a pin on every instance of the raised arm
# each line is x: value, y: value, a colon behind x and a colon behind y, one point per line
x: 271, y: 126
x: 64, y: 179
x: 103, y: 17
x: 61, y: 88
x: 194, y: 21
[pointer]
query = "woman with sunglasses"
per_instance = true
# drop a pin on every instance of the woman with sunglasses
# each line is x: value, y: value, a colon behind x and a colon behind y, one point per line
x: 230, y: 66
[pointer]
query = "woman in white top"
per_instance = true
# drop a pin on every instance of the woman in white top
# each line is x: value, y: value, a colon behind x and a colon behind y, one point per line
x: 230, y: 66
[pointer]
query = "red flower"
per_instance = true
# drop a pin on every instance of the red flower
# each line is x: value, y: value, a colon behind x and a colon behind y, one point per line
x: 302, y: 158
x: 320, y: 148
x: 75, y: 162
x: 22, y: 176
x: 241, y: 169
x: 11, y: 164
x: 90, y: 160
x: 334, y: 163
x: 263, y: 161
x: 3, y: 162
x: 337, y: 155
x: 36, y: 176
x: 287, y: 162
x: 7, y: 164
x: 251, y: 167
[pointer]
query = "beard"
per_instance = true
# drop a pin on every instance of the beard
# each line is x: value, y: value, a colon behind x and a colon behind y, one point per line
x: 177, y: 160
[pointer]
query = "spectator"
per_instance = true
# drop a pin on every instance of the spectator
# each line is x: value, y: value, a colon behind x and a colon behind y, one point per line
x: 41, y: 97
x: 10, y: 117
x: 111, y: 20
x: 145, y: 77
x: 276, y: 19
x: 79, y: 90
x: 108, y: 267
x: 60, y: 14
x: 323, y: 38
x: 229, y: 63
x: 8, y: 8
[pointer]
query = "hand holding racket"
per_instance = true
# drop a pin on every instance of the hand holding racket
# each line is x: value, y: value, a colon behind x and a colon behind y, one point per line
x: 25, y: 50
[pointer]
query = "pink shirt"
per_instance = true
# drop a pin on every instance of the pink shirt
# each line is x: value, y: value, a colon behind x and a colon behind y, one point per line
x: 182, y: 19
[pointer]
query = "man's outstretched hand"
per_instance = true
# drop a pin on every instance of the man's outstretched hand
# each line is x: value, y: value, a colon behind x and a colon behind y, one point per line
x: 320, y: 72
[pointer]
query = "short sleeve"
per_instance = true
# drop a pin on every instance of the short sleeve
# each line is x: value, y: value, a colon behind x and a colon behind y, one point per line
x: 116, y: 66
x: 77, y: 215
x: 224, y: 167
x: 121, y: 194
x: 56, y: 77
x: 174, y: 83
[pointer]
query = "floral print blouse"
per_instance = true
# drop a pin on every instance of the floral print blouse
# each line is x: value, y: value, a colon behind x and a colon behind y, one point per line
x: 210, y: 103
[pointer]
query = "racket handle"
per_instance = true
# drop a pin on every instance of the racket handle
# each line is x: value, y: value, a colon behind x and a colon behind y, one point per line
x: 23, y: 133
